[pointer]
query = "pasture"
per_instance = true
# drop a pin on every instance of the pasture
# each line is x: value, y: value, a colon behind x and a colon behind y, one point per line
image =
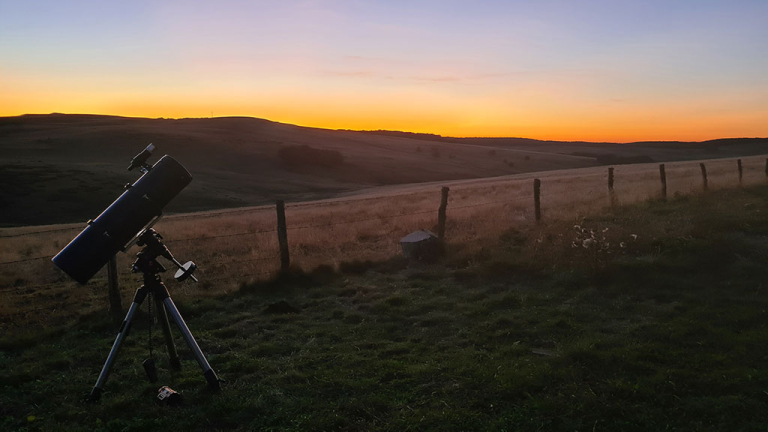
x: 660, y: 327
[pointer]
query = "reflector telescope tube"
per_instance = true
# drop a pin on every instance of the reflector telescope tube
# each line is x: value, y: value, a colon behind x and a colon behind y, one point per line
x: 118, y: 224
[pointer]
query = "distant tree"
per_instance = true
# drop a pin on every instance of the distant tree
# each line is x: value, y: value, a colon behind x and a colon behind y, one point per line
x: 435, y: 152
x: 306, y: 156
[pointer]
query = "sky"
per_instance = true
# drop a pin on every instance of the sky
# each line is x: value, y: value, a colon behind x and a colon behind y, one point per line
x: 564, y: 70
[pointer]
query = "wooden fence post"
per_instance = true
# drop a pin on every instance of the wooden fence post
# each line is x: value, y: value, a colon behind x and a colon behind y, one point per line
x: 537, y: 198
x: 610, y: 186
x: 741, y: 171
x: 115, y: 300
x: 441, y: 213
x: 704, y: 175
x: 663, y: 175
x: 282, y: 236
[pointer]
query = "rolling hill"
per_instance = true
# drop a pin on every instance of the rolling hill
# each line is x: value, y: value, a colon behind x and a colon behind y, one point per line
x: 65, y: 168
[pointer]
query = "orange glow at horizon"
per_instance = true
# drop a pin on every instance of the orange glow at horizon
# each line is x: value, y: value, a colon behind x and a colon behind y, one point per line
x: 591, y: 127
x: 417, y: 110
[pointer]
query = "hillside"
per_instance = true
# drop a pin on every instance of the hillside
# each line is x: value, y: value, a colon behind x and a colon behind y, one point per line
x: 66, y: 168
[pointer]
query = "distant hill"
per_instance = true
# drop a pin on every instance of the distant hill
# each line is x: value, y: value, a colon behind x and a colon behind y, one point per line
x: 63, y: 168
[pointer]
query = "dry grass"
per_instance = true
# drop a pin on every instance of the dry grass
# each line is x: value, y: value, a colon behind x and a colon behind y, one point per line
x: 232, y: 248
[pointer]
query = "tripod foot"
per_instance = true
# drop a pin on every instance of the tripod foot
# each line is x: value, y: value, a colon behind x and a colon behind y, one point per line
x: 175, y: 364
x: 95, y: 395
x: 213, y: 381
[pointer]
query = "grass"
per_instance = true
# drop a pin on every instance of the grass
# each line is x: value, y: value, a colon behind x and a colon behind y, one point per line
x: 527, y: 333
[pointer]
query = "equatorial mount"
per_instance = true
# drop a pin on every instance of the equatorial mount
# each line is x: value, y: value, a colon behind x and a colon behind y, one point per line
x: 146, y: 260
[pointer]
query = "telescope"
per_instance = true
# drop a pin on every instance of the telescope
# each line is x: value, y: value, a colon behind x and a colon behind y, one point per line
x: 128, y: 220
x: 116, y: 228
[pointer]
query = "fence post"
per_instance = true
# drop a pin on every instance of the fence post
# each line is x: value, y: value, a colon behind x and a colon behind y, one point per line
x: 441, y: 213
x: 282, y: 236
x: 741, y: 172
x: 663, y: 175
x: 537, y: 198
x: 115, y: 300
x: 704, y: 175
x: 610, y: 186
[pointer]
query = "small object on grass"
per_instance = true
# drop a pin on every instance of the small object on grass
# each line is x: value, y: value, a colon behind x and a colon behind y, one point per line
x: 169, y: 396
x: 421, y: 246
x: 281, y: 307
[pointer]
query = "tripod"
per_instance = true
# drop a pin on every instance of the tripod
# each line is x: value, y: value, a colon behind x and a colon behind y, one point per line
x: 146, y: 263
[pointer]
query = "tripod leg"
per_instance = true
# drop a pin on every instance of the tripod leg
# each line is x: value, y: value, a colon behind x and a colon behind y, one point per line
x: 210, y: 375
x: 141, y: 294
x: 173, y: 356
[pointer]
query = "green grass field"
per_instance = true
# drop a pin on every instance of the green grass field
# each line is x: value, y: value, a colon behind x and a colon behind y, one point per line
x: 665, y: 331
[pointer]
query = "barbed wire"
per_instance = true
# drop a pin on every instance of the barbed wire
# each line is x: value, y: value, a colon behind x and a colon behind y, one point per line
x: 40, y: 232
x: 356, y: 200
x: 203, y: 215
x: 672, y: 169
x: 383, y: 217
x: 359, y: 220
x: 232, y: 261
x: 27, y: 259
x: 221, y: 236
x: 689, y: 178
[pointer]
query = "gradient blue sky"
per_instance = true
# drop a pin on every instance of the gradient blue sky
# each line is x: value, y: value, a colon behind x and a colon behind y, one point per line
x: 593, y: 70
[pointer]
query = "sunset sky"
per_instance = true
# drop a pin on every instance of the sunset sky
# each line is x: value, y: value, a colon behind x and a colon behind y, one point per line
x: 572, y: 70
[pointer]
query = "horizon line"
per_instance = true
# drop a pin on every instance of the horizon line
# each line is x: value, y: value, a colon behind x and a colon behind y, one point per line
x: 381, y: 130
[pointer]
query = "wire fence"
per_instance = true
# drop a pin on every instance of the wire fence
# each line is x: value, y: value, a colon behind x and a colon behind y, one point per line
x: 373, y: 225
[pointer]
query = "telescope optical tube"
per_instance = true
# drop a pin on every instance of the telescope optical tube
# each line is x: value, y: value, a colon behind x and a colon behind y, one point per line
x: 122, y: 220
